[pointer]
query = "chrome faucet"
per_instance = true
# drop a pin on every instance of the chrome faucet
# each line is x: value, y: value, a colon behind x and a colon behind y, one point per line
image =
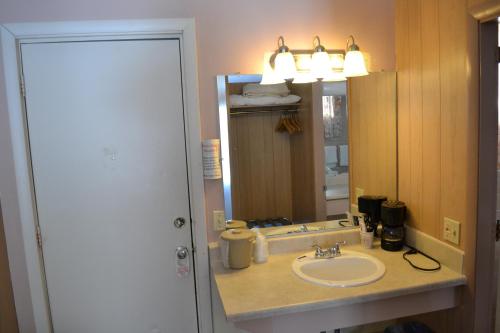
x: 328, y: 253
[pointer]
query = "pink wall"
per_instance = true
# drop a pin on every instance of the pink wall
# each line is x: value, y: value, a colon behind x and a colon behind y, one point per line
x: 232, y: 36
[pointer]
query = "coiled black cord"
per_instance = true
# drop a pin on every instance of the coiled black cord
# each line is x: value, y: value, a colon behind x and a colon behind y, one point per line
x: 413, y: 251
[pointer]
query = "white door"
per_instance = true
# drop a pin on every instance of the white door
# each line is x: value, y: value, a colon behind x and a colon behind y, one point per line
x: 106, y: 132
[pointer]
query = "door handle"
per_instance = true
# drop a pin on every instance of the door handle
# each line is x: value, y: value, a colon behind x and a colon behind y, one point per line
x: 182, y: 261
x: 182, y: 252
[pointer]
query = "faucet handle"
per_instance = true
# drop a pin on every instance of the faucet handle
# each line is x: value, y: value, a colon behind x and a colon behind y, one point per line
x: 336, y: 249
x: 319, y: 250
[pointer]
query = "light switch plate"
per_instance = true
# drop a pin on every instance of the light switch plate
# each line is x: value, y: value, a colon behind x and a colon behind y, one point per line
x: 451, y: 230
x: 219, y: 220
x: 359, y: 192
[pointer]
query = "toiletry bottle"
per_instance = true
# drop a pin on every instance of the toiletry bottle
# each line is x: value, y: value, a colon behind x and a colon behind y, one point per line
x: 261, y: 251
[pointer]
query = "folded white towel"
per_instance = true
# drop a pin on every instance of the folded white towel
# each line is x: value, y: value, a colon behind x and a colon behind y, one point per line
x: 255, y: 89
x: 240, y: 100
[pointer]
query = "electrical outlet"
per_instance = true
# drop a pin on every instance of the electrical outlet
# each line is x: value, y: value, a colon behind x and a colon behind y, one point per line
x: 219, y: 220
x: 359, y: 192
x: 451, y: 230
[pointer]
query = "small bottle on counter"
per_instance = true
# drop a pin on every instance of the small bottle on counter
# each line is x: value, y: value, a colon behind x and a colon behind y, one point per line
x: 261, y: 249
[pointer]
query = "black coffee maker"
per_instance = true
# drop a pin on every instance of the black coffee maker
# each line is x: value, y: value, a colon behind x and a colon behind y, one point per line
x: 393, y: 215
x: 370, y: 206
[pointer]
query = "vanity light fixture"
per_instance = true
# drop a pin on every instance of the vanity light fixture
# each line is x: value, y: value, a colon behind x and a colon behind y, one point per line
x: 305, y: 66
x: 321, y: 66
x: 354, y: 63
x: 284, y: 63
x: 269, y: 75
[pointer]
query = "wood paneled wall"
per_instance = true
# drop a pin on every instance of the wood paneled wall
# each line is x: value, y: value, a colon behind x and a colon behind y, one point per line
x: 8, y: 319
x: 303, y: 161
x: 437, y: 65
x: 273, y: 173
x: 437, y: 113
x: 372, y: 135
x: 260, y: 167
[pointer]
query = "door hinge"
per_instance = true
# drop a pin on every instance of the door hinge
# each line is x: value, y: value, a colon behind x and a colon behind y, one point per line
x: 23, y: 87
x: 39, y: 236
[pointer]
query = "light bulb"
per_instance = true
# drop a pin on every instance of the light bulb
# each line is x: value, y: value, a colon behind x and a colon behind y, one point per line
x: 320, y: 65
x: 268, y: 74
x: 354, y: 64
x: 284, y: 66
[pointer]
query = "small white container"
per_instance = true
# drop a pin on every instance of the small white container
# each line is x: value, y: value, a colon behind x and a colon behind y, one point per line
x: 367, y: 239
x: 261, y: 249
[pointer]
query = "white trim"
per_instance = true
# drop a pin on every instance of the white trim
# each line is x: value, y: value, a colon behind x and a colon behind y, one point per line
x: 24, y: 194
x: 11, y: 34
x: 98, y: 28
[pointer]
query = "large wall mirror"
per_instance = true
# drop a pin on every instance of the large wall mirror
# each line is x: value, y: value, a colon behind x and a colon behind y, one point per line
x: 296, y: 156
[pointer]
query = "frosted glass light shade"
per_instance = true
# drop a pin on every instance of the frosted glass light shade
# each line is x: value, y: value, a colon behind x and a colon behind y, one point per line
x: 268, y: 74
x: 304, y: 77
x: 335, y: 76
x: 354, y: 64
x: 284, y: 66
x: 320, y: 65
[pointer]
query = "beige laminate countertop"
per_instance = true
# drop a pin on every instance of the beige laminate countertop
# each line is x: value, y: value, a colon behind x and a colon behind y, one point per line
x: 272, y: 288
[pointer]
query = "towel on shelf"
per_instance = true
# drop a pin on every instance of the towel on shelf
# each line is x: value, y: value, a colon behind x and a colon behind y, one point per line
x: 255, y: 89
x: 240, y: 100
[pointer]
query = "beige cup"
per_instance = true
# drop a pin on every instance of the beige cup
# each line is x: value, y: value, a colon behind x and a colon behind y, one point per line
x: 236, y: 224
x: 236, y: 248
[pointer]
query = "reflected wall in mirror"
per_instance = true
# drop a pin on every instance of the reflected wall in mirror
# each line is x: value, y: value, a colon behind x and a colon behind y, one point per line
x: 286, y: 153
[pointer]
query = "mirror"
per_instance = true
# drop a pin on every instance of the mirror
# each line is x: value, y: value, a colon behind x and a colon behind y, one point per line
x: 289, y: 152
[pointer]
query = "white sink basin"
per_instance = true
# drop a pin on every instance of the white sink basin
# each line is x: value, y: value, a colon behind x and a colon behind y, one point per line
x: 348, y: 270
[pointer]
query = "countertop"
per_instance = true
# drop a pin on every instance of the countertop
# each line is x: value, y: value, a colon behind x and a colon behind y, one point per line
x: 272, y: 288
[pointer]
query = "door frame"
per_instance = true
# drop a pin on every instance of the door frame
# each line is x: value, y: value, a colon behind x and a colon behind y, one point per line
x: 24, y: 205
x: 485, y: 283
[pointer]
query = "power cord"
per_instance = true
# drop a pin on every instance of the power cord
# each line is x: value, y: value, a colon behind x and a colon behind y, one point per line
x: 414, y: 251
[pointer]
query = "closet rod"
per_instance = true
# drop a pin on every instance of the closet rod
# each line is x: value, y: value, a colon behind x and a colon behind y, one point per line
x: 236, y: 113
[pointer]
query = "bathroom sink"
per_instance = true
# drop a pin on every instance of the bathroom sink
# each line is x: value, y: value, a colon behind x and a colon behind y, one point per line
x: 347, y: 270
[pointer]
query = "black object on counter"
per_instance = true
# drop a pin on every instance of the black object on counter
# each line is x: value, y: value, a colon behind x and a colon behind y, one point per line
x: 393, y: 216
x: 370, y: 205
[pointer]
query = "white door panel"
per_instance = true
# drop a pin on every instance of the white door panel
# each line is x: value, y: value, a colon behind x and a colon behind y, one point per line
x: 106, y: 132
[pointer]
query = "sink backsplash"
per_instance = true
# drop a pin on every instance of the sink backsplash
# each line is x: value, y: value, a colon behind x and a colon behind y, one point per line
x: 445, y: 253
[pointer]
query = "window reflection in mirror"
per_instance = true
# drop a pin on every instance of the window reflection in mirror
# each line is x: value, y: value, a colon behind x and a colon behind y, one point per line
x: 336, y: 150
